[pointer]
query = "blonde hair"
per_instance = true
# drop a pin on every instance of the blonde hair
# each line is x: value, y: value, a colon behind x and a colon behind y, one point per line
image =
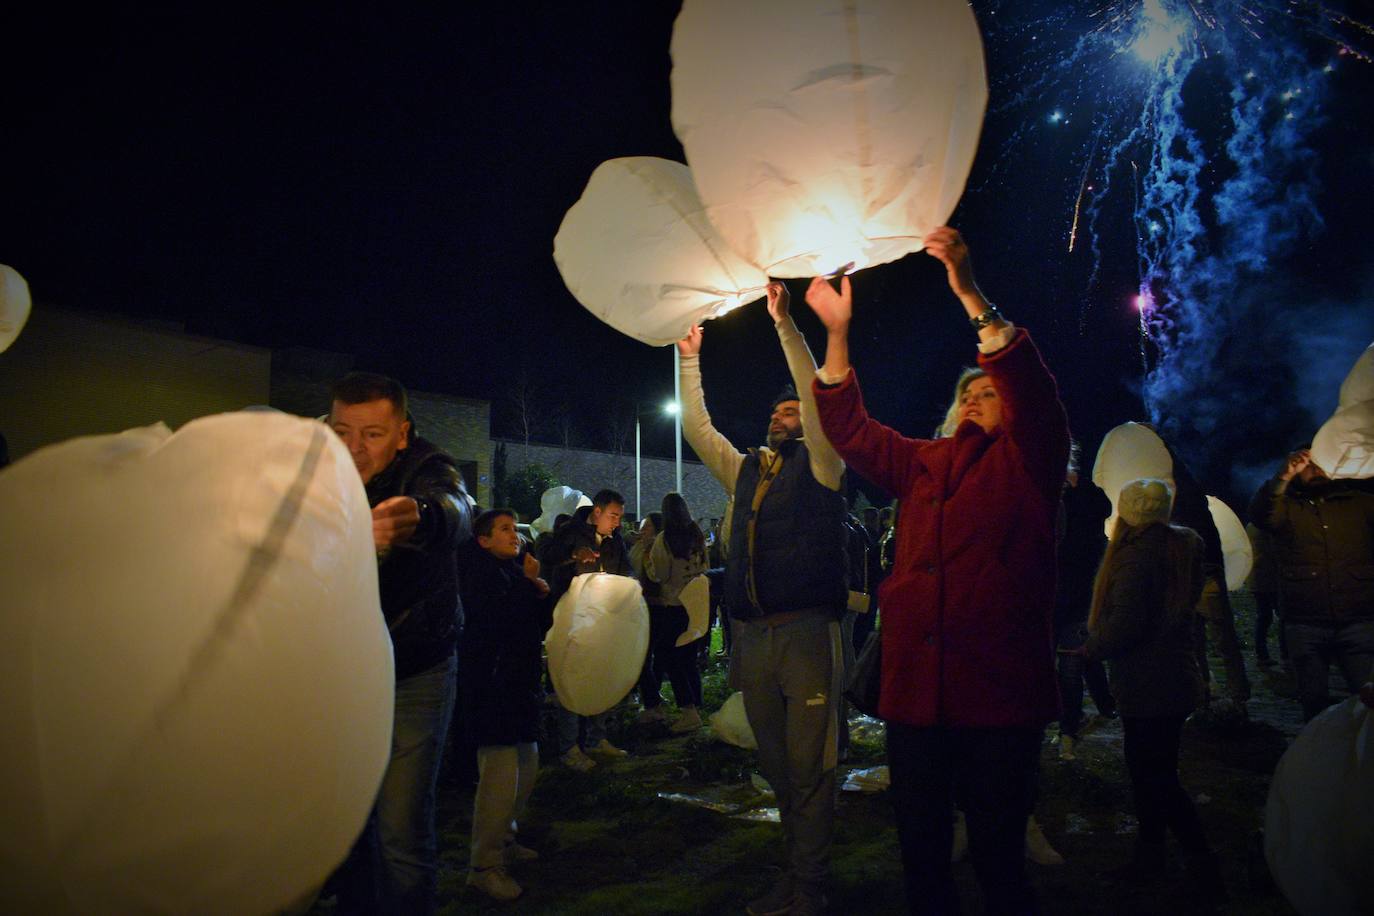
x: 951, y: 423
x: 1180, y: 588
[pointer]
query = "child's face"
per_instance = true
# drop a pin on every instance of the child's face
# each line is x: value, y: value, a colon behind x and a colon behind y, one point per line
x: 504, y: 541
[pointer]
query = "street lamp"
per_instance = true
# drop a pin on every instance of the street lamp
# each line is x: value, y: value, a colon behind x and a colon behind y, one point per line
x: 668, y: 408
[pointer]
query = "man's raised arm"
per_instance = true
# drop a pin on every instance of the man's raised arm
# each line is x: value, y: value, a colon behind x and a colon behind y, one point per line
x: 826, y: 464
x: 721, y: 458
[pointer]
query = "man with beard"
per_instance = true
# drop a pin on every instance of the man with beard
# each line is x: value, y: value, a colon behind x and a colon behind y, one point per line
x: 1323, y: 542
x: 785, y: 589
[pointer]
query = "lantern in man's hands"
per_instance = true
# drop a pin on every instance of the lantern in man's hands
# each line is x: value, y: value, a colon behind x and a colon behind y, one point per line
x: 598, y: 641
x: 197, y: 678
x: 638, y: 252
x: 823, y: 132
x: 1344, y: 446
x: 1236, y: 548
x: 15, y: 304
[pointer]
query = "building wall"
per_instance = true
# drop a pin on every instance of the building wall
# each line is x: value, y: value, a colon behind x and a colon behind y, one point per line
x: 589, y: 471
x: 74, y: 373
x: 301, y: 379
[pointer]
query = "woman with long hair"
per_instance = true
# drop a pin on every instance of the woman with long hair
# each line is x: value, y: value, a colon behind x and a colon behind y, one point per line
x: 968, y: 680
x: 1141, y: 623
x: 677, y: 556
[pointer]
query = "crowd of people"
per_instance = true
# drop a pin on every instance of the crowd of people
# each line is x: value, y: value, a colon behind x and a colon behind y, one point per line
x: 999, y: 595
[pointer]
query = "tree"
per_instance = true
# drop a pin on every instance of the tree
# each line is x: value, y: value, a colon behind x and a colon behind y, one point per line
x: 525, y: 486
x: 499, y: 477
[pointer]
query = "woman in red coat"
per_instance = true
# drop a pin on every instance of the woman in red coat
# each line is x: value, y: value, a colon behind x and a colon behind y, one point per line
x: 968, y: 679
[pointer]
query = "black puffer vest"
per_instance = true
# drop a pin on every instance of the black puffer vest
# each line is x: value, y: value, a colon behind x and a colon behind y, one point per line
x: 799, y: 537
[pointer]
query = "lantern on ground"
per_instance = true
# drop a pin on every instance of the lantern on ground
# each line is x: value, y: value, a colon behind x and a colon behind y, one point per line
x: 639, y: 253
x: 197, y: 678
x: 824, y: 132
x: 598, y: 641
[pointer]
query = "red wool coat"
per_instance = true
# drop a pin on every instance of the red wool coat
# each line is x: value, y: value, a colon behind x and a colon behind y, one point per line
x: 967, y: 612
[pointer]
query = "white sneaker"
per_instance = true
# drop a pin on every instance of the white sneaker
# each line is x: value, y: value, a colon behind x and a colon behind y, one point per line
x: 606, y: 749
x: 575, y: 759
x: 1038, y: 849
x: 495, y: 883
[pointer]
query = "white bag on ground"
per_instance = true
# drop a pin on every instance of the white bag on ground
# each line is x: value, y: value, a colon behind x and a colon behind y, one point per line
x: 1319, y: 822
x: 15, y: 304
x: 696, y: 598
x: 821, y: 132
x: 197, y: 679
x: 598, y: 641
x: 731, y: 724
x: 639, y: 253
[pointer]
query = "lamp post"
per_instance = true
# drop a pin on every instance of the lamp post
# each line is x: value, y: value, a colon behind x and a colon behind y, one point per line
x: 669, y: 408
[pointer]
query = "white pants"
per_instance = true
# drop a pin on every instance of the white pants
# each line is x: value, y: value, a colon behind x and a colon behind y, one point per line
x: 505, y: 778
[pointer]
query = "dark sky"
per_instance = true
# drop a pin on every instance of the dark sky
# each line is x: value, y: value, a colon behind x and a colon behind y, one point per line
x: 388, y: 181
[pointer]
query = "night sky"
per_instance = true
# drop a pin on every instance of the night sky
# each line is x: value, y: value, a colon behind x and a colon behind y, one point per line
x: 388, y: 182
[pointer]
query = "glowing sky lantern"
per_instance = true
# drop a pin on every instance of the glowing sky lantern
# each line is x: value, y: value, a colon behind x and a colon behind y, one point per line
x: 822, y: 132
x: 597, y: 643
x: 1344, y: 446
x: 197, y: 678
x: 1318, y: 832
x: 1238, y: 553
x: 1129, y: 452
x: 639, y: 253
x: 15, y: 304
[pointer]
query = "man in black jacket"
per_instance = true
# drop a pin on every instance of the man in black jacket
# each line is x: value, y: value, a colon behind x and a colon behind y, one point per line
x: 1323, y: 540
x: 420, y: 514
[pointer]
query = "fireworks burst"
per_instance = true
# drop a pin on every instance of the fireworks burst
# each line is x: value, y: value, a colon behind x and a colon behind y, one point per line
x: 1219, y: 185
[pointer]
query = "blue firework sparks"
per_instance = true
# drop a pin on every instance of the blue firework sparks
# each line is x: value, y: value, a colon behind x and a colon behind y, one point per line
x: 1218, y: 187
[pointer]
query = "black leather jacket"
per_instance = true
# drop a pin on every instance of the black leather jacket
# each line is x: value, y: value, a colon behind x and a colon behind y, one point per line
x: 418, y: 579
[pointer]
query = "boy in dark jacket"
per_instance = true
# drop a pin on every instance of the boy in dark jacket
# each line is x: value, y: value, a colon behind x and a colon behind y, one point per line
x: 508, y: 612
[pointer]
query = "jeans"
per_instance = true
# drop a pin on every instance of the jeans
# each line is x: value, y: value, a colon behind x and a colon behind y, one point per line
x: 591, y: 730
x: 1312, y: 648
x: 993, y: 771
x: 1074, y: 671
x: 406, y: 804
x: 1216, y: 621
x: 667, y: 659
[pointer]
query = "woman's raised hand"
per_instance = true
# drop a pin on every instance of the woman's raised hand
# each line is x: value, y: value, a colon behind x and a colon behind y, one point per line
x: 691, y: 344
x: 832, y: 308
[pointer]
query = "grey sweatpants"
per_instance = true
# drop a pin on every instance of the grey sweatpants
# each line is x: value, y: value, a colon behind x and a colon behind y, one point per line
x: 788, y: 675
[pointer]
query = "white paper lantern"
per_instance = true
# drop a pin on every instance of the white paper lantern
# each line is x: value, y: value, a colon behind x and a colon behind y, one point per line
x: 1319, y: 821
x: 197, y: 678
x: 639, y: 253
x: 1129, y: 452
x: 696, y: 598
x: 556, y: 501
x: 821, y: 132
x: 1358, y: 386
x: 15, y: 304
x: 1236, y: 549
x: 1344, y: 446
x: 731, y: 724
x: 598, y: 641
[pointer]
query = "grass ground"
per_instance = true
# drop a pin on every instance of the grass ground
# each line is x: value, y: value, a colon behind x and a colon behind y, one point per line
x: 678, y: 827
